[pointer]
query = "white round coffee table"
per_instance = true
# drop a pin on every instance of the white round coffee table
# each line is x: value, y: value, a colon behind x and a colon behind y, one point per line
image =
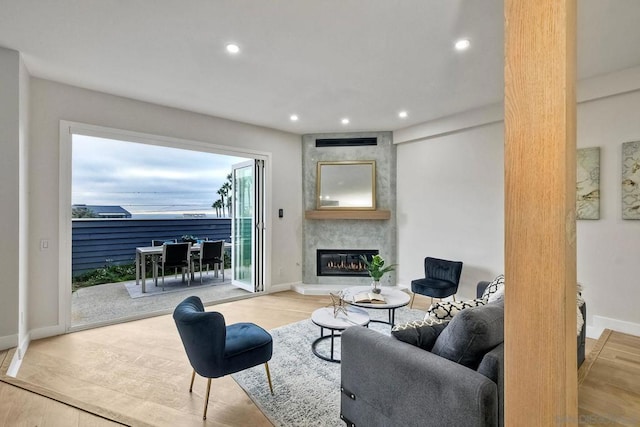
x: 394, y: 298
x: 324, y: 318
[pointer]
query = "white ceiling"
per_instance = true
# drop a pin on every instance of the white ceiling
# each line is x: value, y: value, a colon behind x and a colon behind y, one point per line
x: 320, y: 59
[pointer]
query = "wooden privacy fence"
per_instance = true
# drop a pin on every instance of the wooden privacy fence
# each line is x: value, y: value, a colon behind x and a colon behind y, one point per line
x: 98, y: 242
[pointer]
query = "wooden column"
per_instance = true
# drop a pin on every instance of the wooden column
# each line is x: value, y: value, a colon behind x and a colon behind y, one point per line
x: 540, y: 253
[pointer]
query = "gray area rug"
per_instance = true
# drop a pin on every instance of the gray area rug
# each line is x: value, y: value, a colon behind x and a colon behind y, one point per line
x: 306, y: 388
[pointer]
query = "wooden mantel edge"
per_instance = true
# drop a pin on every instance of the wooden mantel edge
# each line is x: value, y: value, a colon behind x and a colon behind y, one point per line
x: 348, y: 214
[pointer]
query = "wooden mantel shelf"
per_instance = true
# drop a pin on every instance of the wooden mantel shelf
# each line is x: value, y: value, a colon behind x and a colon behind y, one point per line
x: 348, y: 214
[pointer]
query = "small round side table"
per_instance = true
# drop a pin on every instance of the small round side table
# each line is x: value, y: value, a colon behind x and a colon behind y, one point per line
x: 323, y: 317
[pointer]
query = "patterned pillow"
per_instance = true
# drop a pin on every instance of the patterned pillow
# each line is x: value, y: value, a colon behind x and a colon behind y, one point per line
x: 493, y: 287
x: 421, y: 333
x: 444, y: 310
x: 497, y: 295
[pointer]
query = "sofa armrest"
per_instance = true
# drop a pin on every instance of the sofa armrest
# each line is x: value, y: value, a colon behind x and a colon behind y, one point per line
x: 480, y: 287
x: 387, y: 382
x: 582, y: 336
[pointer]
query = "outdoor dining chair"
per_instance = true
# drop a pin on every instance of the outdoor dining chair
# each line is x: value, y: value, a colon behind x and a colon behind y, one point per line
x: 211, y: 254
x: 175, y: 255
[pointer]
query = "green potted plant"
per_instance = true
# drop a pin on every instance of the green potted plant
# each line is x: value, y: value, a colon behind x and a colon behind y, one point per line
x: 376, y: 270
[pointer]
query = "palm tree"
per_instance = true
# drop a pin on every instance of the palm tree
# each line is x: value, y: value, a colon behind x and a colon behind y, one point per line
x: 222, y: 193
x: 226, y: 187
x: 225, y: 197
x: 218, y: 206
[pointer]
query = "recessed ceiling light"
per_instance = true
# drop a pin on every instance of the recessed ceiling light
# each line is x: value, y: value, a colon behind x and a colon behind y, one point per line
x: 233, y: 48
x: 345, y: 121
x: 294, y: 117
x: 462, y: 44
x: 403, y: 114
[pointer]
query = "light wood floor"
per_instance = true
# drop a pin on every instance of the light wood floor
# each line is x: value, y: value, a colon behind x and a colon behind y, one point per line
x: 609, y: 381
x: 138, y: 374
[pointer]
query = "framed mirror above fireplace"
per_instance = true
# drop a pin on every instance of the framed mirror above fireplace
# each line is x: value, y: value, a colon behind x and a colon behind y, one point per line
x: 346, y: 185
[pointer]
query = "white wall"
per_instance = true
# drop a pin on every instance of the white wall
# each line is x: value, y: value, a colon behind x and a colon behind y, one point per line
x: 609, y: 248
x: 9, y: 196
x: 450, y: 204
x: 52, y: 102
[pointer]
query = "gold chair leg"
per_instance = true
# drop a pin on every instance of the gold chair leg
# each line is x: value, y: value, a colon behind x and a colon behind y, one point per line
x: 266, y: 366
x: 413, y: 295
x: 206, y: 399
x: 193, y: 377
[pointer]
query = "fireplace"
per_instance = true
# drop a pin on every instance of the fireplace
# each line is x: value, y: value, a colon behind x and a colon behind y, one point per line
x: 343, y: 262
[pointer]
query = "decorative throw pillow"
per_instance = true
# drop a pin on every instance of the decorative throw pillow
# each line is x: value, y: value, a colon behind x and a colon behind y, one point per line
x: 497, y: 295
x: 421, y: 333
x: 493, y: 287
x: 471, y: 334
x: 444, y: 310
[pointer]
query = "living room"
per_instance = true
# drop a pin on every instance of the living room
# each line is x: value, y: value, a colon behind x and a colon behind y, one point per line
x: 450, y: 190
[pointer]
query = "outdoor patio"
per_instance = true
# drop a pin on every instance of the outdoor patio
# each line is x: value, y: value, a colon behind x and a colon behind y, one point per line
x: 112, y: 301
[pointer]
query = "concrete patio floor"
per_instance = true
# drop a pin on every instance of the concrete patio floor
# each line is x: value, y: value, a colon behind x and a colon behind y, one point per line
x: 110, y: 302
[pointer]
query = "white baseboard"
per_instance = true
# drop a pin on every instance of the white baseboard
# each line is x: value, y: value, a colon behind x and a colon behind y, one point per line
x: 46, y: 332
x: 282, y: 287
x: 601, y: 323
x: 8, y: 341
x: 593, y: 332
x: 16, y: 361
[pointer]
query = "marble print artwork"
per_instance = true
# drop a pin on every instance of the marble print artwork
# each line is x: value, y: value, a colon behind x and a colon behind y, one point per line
x: 588, y: 183
x: 631, y: 180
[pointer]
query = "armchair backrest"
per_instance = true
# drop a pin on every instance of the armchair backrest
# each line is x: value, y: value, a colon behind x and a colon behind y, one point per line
x: 175, y: 254
x: 442, y: 269
x: 203, y: 335
x: 210, y: 251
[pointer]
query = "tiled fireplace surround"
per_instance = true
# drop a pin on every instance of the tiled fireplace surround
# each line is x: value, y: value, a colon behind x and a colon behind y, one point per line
x: 349, y: 234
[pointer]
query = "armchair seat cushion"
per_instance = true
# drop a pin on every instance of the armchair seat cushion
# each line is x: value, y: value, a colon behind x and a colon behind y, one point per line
x: 435, y: 288
x: 246, y: 345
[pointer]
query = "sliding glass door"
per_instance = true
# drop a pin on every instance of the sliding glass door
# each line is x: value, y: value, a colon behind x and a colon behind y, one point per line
x: 247, y: 226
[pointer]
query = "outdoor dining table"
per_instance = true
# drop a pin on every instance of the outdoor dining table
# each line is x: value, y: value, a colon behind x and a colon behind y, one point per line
x: 149, y: 251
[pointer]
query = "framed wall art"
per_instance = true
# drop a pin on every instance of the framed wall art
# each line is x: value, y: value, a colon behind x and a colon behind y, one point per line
x: 631, y: 180
x: 588, y: 183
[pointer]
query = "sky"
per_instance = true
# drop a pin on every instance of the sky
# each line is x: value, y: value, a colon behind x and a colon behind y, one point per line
x: 145, y: 178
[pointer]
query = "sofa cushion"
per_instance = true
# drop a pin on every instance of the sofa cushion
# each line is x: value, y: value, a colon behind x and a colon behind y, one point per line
x: 493, y: 287
x: 471, y: 333
x: 445, y: 310
x: 421, y: 333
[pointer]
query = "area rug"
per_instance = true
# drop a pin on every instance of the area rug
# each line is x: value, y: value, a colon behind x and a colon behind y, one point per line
x: 171, y: 285
x: 306, y: 388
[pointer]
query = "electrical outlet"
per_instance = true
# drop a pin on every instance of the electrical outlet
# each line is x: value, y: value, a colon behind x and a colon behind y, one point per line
x: 44, y: 244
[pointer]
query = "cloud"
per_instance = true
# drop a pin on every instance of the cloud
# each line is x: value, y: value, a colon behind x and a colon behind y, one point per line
x: 143, y: 177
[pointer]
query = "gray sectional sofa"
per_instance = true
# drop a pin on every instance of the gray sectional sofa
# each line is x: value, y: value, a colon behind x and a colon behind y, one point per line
x: 459, y: 382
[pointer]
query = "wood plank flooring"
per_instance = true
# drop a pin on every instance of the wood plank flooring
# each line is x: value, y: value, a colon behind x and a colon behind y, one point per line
x: 609, y: 392
x: 137, y: 374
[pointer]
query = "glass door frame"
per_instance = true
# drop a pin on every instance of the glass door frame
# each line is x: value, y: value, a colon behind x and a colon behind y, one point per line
x: 253, y: 222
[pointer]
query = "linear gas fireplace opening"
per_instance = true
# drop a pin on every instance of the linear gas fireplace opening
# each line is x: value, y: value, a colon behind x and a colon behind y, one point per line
x: 342, y: 262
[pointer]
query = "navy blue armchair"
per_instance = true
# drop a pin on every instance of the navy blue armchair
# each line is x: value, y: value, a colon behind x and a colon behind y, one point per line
x: 214, y: 349
x: 441, y: 279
